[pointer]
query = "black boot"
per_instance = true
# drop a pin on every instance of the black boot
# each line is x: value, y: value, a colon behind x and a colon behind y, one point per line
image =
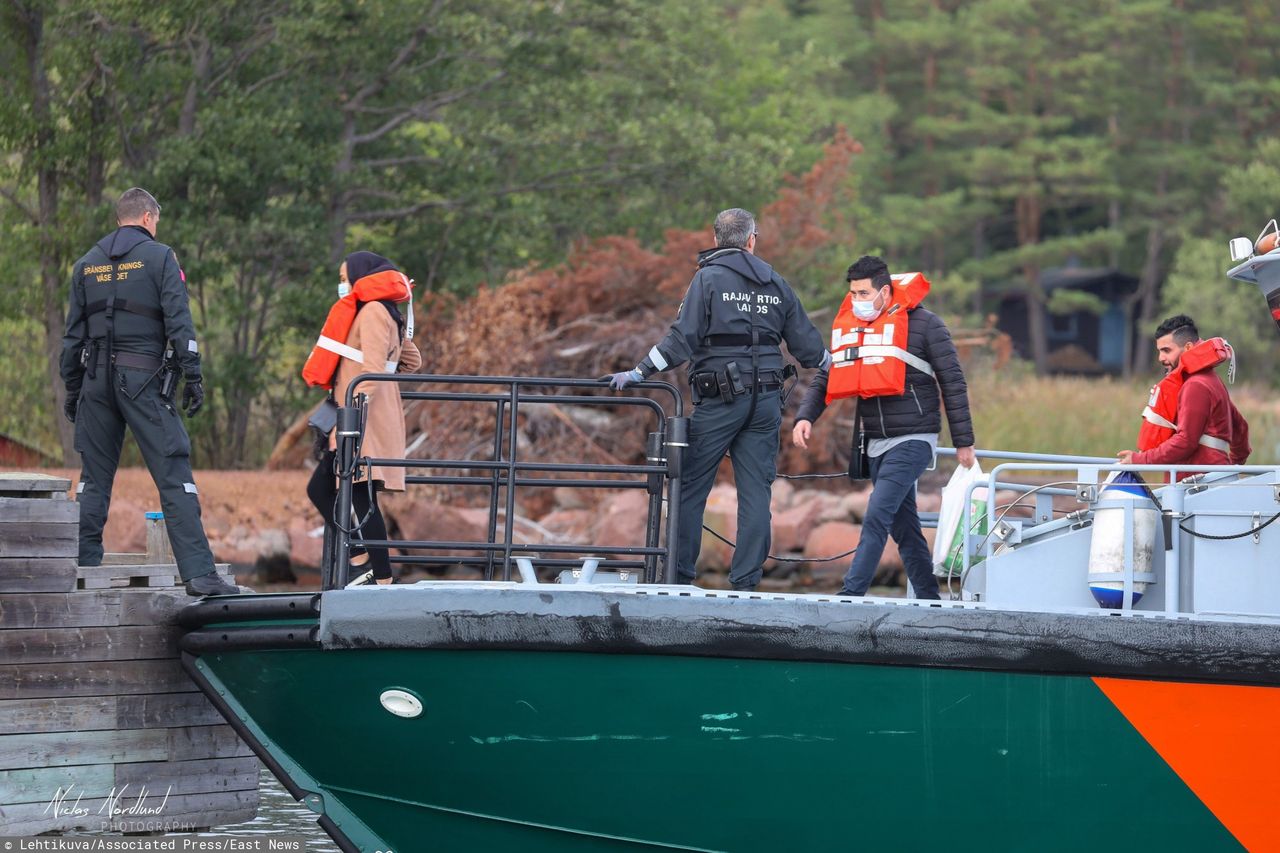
x: 211, y: 584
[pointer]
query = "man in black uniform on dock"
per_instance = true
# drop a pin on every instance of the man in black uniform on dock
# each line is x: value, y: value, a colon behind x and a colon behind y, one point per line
x: 129, y: 334
x: 734, y: 317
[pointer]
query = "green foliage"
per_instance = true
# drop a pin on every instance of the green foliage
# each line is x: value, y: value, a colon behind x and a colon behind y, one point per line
x: 999, y: 138
x: 1063, y: 301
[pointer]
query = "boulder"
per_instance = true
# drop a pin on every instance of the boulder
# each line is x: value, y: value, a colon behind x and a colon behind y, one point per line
x: 572, y: 525
x: 792, y: 526
x: 783, y: 495
x: 623, y: 518
x: 415, y: 518
x: 305, y: 549
x: 248, y: 546
x: 721, y: 515
x: 831, y: 538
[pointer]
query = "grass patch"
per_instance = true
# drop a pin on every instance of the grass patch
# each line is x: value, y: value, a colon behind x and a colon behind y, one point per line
x: 1015, y: 410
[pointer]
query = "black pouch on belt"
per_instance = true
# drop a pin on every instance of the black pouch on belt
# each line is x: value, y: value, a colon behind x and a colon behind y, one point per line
x: 705, y: 385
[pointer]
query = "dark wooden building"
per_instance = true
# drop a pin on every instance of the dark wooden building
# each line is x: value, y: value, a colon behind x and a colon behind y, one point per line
x: 1081, y: 341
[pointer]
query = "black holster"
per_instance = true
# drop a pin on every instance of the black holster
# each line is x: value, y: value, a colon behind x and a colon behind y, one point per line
x: 859, y: 462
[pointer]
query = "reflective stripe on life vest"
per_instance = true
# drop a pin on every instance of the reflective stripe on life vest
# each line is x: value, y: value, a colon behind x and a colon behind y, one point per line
x: 340, y: 348
x: 1151, y: 417
x: 1216, y: 443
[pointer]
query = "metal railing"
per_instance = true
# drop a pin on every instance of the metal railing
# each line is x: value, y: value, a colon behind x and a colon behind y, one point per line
x: 1087, y: 474
x: 505, y: 473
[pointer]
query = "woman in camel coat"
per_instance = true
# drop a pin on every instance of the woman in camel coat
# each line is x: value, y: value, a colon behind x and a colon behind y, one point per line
x: 378, y: 333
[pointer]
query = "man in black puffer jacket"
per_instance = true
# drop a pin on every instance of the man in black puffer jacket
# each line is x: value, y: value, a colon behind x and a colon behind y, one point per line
x: 901, y: 432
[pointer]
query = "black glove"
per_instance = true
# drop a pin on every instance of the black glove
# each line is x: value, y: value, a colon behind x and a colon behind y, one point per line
x: 69, y: 407
x: 192, y: 395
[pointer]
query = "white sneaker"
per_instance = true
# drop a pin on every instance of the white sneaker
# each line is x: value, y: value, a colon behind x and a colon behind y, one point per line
x: 361, y: 580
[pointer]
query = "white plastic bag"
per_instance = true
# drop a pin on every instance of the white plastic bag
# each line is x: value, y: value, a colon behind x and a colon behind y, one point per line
x: 948, y: 545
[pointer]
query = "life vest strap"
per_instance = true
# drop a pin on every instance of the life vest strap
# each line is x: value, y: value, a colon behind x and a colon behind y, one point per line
x: 1207, y: 440
x: 340, y: 348
x: 851, y: 354
x: 1149, y: 415
x: 1216, y: 443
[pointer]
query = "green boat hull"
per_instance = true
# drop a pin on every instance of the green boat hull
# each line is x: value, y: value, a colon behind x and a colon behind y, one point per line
x: 565, y: 751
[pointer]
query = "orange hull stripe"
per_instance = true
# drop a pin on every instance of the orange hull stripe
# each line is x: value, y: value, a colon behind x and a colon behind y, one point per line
x: 1221, y: 741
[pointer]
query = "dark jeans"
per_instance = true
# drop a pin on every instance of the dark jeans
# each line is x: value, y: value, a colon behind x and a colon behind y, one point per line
x: 322, y: 489
x: 892, y: 512
x: 714, y: 429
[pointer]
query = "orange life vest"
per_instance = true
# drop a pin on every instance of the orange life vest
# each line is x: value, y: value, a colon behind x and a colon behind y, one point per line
x: 331, y: 347
x: 869, y: 359
x: 1159, y: 417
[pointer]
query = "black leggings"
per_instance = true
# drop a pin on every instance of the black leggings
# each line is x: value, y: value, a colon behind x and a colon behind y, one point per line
x: 323, y: 492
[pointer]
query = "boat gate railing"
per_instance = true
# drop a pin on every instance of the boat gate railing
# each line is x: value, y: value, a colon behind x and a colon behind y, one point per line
x: 505, y: 472
x: 1086, y: 475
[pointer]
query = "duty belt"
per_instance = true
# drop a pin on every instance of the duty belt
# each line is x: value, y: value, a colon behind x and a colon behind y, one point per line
x: 131, y: 359
x: 739, y: 340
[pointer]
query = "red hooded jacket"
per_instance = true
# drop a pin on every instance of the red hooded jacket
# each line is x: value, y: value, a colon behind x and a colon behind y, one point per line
x: 1204, y: 408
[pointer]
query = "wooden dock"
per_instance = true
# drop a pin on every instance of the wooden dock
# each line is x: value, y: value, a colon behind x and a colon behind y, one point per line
x: 100, y: 728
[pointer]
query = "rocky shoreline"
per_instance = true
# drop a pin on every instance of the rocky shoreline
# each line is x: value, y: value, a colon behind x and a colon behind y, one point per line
x: 263, y: 525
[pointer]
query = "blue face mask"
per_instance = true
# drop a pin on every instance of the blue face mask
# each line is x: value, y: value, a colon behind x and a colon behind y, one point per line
x: 344, y: 288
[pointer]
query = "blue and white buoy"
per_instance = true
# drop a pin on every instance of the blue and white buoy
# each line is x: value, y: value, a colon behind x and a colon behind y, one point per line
x: 1108, y: 547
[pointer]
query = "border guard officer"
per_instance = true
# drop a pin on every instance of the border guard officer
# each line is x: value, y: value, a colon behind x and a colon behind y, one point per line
x: 733, y: 319
x: 128, y: 332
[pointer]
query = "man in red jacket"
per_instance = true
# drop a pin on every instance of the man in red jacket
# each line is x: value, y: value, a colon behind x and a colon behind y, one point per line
x: 1209, y: 429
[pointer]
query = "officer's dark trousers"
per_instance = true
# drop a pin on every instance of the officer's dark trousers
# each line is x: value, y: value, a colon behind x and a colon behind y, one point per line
x: 105, y: 409
x: 717, y: 427
x: 892, y: 512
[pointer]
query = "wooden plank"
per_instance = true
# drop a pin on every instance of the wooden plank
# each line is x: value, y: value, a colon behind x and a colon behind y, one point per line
x: 65, y: 749
x: 180, y: 813
x: 68, y: 610
x: 43, y: 539
x: 138, y: 570
x: 192, y: 742
x: 165, y: 710
x: 109, y: 576
x: 81, y: 714
x: 108, y: 678
x: 37, y: 574
x: 41, y: 784
x: 23, y: 481
x: 152, y: 606
x: 39, y: 509
x: 57, y: 645
x: 123, y: 559
x: 128, y: 781
x: 202, y: 776
x: 62, y: 749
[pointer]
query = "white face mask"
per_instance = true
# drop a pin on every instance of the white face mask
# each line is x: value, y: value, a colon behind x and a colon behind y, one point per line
x: 866, y: 310
x: 344, y: 287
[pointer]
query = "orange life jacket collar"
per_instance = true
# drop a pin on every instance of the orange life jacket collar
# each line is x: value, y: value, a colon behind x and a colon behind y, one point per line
x: 331, y: 347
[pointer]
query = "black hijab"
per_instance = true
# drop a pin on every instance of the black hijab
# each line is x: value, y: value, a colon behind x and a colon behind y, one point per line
x: 361, y: 264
